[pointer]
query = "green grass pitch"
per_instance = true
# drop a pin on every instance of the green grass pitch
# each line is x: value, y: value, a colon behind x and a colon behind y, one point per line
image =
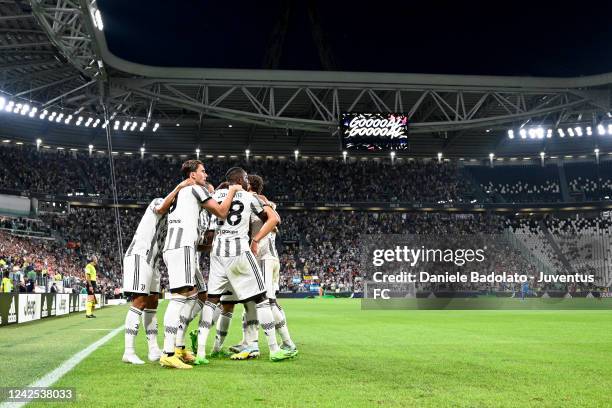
x: 348, y: 357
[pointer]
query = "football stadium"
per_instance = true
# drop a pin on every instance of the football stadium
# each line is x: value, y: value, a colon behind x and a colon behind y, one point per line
x: 310, y: 203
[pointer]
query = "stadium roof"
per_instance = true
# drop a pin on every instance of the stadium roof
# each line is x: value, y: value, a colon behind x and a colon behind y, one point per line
x: 55, y: 57
x: 386, y: 36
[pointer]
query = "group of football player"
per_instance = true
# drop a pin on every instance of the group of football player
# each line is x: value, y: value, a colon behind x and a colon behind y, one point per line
x: 236, y: 225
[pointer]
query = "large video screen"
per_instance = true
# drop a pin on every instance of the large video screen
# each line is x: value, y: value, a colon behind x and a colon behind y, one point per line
x: 374, y: 131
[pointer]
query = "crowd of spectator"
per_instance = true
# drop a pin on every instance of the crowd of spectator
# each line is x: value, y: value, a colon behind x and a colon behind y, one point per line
x: 92, y: 232
x: 302, y: 180
x: 325, y: 245
x: 332, y: 244
x: 33, y: 261
x: 26, y: 169
x: 24, y: 226
x: 323, y: 248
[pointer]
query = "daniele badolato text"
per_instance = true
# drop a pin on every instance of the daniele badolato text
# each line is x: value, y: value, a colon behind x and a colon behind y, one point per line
x: 414, y: 258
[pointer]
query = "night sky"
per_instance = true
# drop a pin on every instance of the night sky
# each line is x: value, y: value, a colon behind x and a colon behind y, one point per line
x: 501, y: 38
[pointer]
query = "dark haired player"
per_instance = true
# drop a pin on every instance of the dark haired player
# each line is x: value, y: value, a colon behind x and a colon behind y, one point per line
x: 204, y: 244
x: 180, y: 259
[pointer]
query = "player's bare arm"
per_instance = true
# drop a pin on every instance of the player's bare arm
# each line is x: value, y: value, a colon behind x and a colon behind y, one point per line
x: 165, y: 205
x: 270, y: 222
x: 221, y: 210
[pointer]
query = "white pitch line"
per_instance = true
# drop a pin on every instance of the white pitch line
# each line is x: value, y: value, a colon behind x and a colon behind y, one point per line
x: 66, y: 366
x: 95, y: 329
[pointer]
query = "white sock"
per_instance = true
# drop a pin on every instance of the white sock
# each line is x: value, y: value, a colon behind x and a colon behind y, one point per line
x: 281, y: 324
x: 206, y: 319
x: 132, y: 323
x: 251, y: 331
x: 244, y: 327
x: 197, y: 308
x: 217, y: 313
x: 149, y: 321
x: 184, y: 319
x: 266, y: 321
x: 172, y: 322
x: 222, y: 326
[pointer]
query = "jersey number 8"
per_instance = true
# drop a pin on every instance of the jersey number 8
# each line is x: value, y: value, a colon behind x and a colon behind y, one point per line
x: 235, y: 214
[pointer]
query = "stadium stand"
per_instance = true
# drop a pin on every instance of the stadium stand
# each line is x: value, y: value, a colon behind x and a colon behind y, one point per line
x: 314, y: 243
x: 589, y: 181
x: 519, y: 183
x: 307, y: 180
x: 47, y: 171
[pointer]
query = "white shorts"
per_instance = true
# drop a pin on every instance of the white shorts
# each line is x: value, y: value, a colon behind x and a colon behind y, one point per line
x: 139, y: 276
x: 270, y: 269
x: 182, y: 267
x: 237, y: 275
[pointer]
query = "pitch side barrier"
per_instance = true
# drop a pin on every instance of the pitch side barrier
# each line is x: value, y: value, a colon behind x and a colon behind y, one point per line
x: 89, y: 201
x: 297, y: 295
x: 461, y: 294
x: 18, y: 308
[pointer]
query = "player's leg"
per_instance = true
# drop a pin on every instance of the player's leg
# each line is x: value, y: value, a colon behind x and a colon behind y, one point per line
x: 149, y: 321
x: 193, y: 305
x: 132, y: 324
x: 243, y: 342
x: 185, y: 318
x: 271, y: 271
x: 223, y: 323
x: 249, y: 286
x: 251, y: 319
x: 132, y: 317
x: 204, y: 325
x: 139, y: 280
x: 202, y: 290
x: 249, y: 346
x: 149, y: 317
x: 281, y: 326
x: 171, y: 323
x: 217, y: 283
x: 193, y: 335
x: 191, y: 272
x: 181, y: 286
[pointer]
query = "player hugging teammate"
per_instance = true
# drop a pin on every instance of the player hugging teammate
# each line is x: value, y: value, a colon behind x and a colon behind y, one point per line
x: 174, y: 227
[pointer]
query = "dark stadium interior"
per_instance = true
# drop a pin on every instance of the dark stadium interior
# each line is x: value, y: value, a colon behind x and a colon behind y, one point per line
x: 391, y: 36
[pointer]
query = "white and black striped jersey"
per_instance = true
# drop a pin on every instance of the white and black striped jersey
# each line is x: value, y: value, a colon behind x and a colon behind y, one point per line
x: 184, y: 216
x: 267, y: 249
x: 162, y: 232
x: 145, y: 238
x: 204, y: 224
x: 232, y: 234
